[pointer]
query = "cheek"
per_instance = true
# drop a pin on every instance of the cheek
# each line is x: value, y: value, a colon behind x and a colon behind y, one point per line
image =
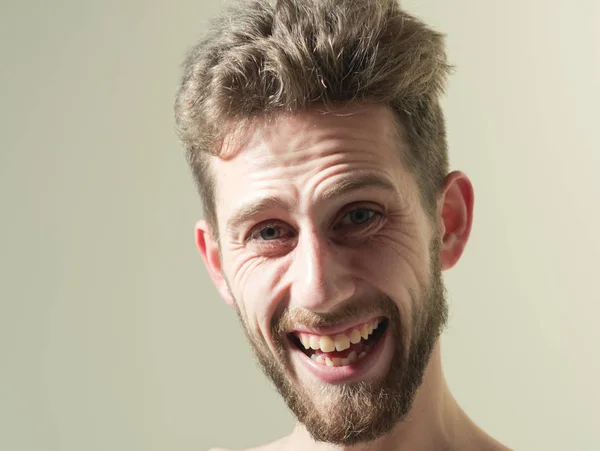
x: 255, y: 283
x: 396, y: 263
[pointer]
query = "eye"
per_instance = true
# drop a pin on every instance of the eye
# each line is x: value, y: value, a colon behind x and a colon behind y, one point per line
x: 359, y: 216
x: 270, y: 232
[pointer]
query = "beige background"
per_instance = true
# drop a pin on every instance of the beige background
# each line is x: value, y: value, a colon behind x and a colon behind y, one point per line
x: 113, y: 338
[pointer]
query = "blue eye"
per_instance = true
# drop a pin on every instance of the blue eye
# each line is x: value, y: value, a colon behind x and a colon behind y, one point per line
x: 358, y: 217
x: 269, y: 233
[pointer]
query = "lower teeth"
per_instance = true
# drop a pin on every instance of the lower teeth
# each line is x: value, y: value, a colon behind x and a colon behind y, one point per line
x: 336, y: 361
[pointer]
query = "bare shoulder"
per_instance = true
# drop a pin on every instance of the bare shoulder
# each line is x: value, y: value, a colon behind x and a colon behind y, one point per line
x: 496, y: 447
x: 491, y: 444
x: 500, y: 447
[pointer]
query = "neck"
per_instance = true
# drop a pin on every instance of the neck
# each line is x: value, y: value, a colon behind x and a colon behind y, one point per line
x: 435, y: 421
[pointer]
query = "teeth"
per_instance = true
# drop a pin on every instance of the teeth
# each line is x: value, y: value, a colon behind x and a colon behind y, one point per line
x: 352, y: 357
x: 339, y: 342
x: 337, y: 361
x: 314, y: 342
x: 327, y: 344
x: 372, y: 326
x: 305, y: 341
x: 342, y: 342
x: 355, y: 337
x: 364, y: 331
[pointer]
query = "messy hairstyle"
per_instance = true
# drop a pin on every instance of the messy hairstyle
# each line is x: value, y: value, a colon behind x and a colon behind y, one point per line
x: 264, y: 57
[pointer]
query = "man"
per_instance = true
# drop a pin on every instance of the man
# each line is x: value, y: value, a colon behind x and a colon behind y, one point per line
x: 314, y: 131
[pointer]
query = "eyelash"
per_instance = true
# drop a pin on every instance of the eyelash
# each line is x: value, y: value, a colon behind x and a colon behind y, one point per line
x: 377, y: 214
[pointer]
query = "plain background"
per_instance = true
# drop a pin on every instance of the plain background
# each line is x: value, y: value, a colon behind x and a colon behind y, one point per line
x: 111, y: 334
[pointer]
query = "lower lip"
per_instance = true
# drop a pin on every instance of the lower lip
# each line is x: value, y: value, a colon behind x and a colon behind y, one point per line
x: 345, y: 373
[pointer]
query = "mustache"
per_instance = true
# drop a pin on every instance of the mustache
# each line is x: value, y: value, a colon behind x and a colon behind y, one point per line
x: 288, y: 319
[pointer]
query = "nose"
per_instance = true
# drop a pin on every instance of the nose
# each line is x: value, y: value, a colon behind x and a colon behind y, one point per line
x: 322, y: 278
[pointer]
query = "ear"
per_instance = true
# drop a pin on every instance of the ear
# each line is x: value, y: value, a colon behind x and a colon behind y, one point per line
x: 455, y: 217
x: 209, y: 249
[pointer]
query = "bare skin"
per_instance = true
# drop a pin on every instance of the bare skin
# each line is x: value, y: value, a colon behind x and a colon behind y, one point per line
x: 317, y: 265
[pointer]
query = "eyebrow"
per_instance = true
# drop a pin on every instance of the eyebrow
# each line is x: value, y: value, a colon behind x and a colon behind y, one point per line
x: 344, y: 187
x: 254, y: 208
x: 361, y: 182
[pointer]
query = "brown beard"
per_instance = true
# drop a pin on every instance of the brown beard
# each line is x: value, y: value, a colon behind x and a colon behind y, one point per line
x: 361, y: 412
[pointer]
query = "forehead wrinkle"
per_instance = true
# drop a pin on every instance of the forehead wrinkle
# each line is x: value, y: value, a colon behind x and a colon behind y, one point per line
x: 356, y: 183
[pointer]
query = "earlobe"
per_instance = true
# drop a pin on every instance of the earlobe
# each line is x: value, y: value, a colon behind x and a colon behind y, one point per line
x: 209, y: 249
x: 456, y: 217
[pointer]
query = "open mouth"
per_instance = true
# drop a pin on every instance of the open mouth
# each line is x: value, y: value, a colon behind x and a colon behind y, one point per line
x: 341, y: 349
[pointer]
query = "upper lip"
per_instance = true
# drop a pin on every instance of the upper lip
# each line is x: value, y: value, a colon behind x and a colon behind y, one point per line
x: 332, y: 330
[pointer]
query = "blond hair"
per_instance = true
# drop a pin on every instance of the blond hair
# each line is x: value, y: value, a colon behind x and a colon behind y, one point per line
x: 266, y: 57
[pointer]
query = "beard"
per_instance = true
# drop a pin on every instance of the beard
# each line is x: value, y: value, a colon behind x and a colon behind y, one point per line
x: 359, y: 412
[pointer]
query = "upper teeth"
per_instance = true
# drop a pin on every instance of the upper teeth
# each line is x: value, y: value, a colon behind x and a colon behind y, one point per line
x: 338, y: 342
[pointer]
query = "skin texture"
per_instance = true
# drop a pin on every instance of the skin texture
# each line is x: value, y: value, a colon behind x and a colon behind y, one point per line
x: 315, y: 249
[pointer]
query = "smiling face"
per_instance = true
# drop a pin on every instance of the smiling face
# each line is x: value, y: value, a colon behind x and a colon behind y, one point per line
x: 332, y: 264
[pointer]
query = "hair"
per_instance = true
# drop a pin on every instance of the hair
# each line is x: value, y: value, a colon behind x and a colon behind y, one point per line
x: 262, y: 58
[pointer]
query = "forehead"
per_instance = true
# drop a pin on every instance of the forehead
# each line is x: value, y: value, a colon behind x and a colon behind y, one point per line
x: 297, y: 157
x: 287, y: 139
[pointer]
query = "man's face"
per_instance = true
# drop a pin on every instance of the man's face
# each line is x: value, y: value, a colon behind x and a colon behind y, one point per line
x: 332, y: 265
